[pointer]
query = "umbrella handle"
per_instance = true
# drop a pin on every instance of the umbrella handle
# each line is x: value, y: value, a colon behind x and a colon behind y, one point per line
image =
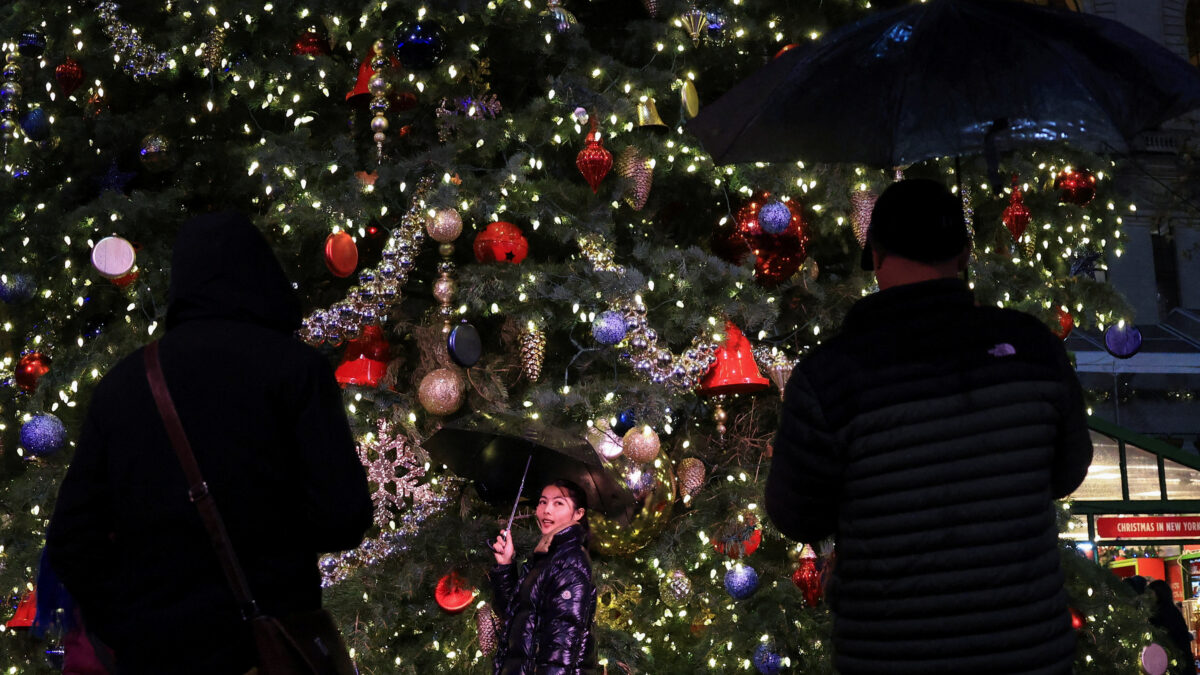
x: 520, y: 489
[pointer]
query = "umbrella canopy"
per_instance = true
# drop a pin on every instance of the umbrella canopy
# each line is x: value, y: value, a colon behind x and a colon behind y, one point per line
x: 492, y: 450
x: 947, y: 78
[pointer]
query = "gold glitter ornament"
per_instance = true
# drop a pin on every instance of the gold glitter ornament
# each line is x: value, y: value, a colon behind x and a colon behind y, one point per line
x: 442, y: 391
x: 533, y: 352
x: 691, y: 476
x: 214, y: 48
x: 653, y: 489
x: 444, y: 225
x: 487, y: 625
x: 638, y: 174
x: 675, y: 589
x: 615, y: 608
x: 641, y: 444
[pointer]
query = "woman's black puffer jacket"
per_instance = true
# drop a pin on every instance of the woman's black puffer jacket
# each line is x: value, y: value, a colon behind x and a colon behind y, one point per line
x: 547, y: 611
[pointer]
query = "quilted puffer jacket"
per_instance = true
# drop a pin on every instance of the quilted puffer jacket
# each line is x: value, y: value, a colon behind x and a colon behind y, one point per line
x: 547, y: 611
x: 930, y: 438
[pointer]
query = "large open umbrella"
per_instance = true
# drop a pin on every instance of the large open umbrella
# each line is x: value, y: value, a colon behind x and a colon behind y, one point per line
x: 508, y: 457
x: 949, y: 78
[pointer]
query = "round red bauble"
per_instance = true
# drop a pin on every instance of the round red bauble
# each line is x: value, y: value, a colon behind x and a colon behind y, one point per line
x: 30, y: 369
x: 808, y: 579
x: 125, y: 280
x: 1016, y: 215
x: 501, y: 242
x: 453, y: 594
x: 594, y: 161
x: 779, y: 256
x: 737, y: 549
x: 69, y: 76
x: 341, y: 254
x: 310, y: 43
x: 1066, y: 323
x: 1077, y: 186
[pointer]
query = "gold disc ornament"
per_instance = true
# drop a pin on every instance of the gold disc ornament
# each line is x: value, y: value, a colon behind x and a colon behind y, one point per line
x: 641, y: 444
x: 690, y: 99
x: 442, y: 391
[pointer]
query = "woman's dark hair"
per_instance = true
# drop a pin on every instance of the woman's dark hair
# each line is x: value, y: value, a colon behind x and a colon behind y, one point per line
x: 579, y: 498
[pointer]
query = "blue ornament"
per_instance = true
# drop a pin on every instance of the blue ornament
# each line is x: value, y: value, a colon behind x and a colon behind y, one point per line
x: 419, y: 46
x: 31, y: 43
x: 609, y: 328
x: 625, y: 421
x: 36, y: 125
x: 767, y: 661
x: 774, y: 217
x: 43, y: 435
x: 1123, y: 340
x: 741, y: 581
x: 16, y: 288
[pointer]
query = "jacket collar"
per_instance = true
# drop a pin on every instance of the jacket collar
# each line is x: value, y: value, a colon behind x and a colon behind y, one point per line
x: 909, y: 300
x: 572, y: 536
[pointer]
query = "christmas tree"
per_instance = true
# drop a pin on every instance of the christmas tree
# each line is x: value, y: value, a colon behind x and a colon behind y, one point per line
x: 490, y: 206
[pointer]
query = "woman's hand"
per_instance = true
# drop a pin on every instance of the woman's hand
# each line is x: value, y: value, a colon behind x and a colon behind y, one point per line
x: 503, y: 548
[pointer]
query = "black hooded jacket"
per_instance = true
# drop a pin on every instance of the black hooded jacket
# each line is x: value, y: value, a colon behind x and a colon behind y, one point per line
x: 930, y: 438
x: 265, y: 420
x: 547, y: 611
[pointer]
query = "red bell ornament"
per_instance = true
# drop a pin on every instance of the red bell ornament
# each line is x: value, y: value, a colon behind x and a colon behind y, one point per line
x: 26, y: 611
x: 734, y: 371
x: 1066, y: 323
x: 365, y: 360
x: 453, y: 594
x: 594, y: 160
x: 30, y: 369
x: 1076, y: 186
x: 501, y: 242
x: 69, y: 76
x: 808, y: 579
x: 1016, y: 216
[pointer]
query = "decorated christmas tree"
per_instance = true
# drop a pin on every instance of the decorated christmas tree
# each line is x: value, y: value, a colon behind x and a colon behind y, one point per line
x: 490, y: 206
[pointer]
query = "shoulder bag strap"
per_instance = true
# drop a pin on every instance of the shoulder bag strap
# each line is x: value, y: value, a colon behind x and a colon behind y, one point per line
x: 197, y: 488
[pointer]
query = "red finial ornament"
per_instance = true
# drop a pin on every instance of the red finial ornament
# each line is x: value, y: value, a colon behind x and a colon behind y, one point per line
x: 1066, y: 323
x: 808, y: 579
x: 594, y: 160
x: 1016, y: 215
x: 69, y: 76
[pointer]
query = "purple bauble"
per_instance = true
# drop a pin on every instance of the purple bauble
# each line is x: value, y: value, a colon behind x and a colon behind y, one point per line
x: 766, y: 661
x: 43, y: 435
x: 609, y: 328
x: 16, y: 288
x: 741, y: 581
x: 774, y: 217
x: 1123, y: 340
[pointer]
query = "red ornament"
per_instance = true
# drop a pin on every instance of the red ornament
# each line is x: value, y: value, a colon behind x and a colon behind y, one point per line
x: 365, y: 73
x: 786, y: 49
x: 1076, y: 187
x: 501, y: 242
x: 1077, y: 619
x: 778, y: 256
x: 594, y: 160
x: 734, y: 371
x: 808, y: 579
x: 26, y: 611
x: 30, y: 369
x: 311, y: 43
x: 1065, y: 324
x: 365, y: 360
x: 69, y: 76
x: 740, y: 544
x: 341, y: 254
x: 453, y: 594
x: 1016, y: 215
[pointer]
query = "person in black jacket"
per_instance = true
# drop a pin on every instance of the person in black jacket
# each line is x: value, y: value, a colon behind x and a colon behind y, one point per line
x: 929, y: 439
x: 548, y: 607
x: 267, y: 425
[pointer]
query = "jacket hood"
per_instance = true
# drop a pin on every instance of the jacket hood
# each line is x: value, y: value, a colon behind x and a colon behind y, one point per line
x: 223, y: 268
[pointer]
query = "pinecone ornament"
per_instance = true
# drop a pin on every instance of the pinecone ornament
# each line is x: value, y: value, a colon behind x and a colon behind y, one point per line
x: 691, y: 476
x: 486, y: 626
x: 633, y: 166
x: 214, y: 49
x: 533, y: 353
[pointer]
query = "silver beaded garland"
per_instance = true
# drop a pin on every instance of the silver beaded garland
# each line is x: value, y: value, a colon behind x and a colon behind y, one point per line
x: 141, y: 58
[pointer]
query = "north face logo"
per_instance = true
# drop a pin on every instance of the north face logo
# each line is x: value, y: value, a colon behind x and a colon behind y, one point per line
x: 1002, y: 349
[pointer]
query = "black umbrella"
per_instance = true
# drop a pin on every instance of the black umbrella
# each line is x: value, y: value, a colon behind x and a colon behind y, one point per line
x: 948, y: 78
x: 497, y: 451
